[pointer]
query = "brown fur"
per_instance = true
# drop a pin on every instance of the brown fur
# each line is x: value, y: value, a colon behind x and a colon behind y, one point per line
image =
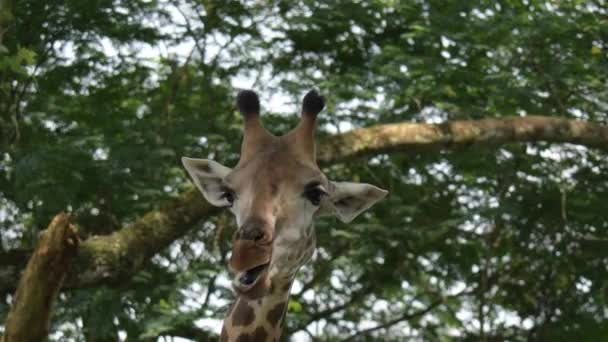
x: 243, y: 314
x: 275, y: 315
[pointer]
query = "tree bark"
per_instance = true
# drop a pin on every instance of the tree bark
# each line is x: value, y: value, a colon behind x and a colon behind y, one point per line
x: 29, y: 318
x: 452, y: 134
x: 116, y: 257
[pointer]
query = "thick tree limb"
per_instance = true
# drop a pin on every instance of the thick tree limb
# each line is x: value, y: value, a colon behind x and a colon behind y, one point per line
x: 113, y: 258
x: 110, y: 259
x: 29, y: 318
x: 486, y: 132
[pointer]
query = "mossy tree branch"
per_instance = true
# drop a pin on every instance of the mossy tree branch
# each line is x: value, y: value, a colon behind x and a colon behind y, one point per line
x: 400, y: 137
x: 29, y: 318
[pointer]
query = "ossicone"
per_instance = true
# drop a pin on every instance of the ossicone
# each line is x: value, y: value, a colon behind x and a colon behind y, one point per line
x: 313, y: 103
x: 248, y: 103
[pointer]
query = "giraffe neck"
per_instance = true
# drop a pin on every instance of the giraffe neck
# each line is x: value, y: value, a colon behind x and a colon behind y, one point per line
x: 257, y: 320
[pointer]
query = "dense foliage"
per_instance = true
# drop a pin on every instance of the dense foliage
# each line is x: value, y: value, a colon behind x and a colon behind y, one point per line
x: 99, y: 99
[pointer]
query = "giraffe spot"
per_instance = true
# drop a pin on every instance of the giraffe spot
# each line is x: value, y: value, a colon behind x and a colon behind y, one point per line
x: 260, y: 334
x: 275, y: 315
x: 244, y: 338
x: 287, y: 287
x: 243, y: 314
x: 224, y: 335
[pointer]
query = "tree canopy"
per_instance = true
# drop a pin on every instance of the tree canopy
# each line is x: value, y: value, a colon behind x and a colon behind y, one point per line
x: 485, y: 120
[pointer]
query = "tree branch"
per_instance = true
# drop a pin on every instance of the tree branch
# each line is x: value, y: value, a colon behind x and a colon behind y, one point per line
x: 110, y: 259
x: 492, y: 131
x: 405, y: 317
x: 29, y: 318
x: 315, y: 316
x: 113, y: 258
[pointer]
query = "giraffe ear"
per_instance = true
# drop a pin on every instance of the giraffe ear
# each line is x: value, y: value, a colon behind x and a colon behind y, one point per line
x: 347, y: 200
x: 208, y: 176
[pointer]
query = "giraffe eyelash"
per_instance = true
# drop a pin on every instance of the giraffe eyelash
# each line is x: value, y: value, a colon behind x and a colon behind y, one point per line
x: 315, y: 194
x: 229, y: 195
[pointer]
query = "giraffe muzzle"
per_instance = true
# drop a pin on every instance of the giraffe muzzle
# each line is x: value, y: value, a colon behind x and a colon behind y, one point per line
x: 250, y: 263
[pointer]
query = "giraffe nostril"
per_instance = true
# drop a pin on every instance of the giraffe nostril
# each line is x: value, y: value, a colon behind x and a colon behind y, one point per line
x: 254, y: 234
x: 259, y: 237
x: 255, y: 230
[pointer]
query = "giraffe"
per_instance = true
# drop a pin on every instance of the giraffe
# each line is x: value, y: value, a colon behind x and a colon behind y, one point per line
x: 275, y: 192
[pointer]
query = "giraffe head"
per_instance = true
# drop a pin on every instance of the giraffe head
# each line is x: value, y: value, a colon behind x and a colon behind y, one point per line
x: 275, y: 191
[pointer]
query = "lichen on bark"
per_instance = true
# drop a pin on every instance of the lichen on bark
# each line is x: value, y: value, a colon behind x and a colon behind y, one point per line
x: 29, y: 317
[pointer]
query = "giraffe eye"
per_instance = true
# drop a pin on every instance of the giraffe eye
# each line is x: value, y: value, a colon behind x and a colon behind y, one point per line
x: 229, y: 196
x: 314, y: 195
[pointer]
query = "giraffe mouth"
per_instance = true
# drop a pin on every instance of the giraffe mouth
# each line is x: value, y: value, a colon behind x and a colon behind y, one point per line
x: 249, y: 278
